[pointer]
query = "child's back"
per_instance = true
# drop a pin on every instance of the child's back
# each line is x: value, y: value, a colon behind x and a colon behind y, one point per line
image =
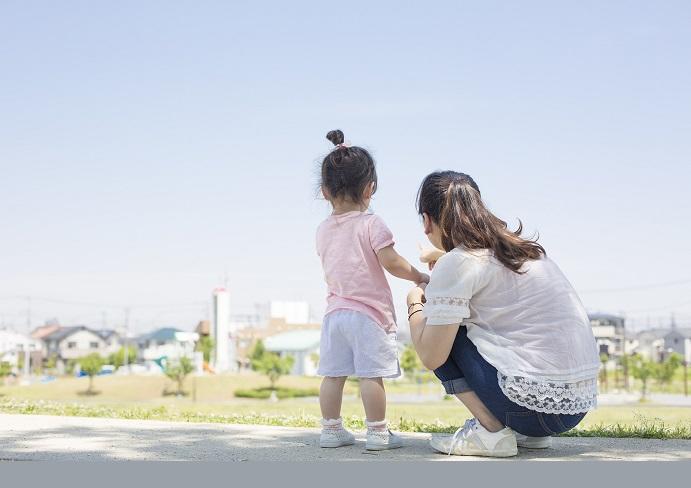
x: 347, y: 245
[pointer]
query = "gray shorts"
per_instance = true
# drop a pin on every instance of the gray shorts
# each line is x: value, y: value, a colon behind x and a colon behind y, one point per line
x: 352, y: 344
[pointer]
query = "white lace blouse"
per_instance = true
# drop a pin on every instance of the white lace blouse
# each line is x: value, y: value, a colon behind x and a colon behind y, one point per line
x: 531, y: 327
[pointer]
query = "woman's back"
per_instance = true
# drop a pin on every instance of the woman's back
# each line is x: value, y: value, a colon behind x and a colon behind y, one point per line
x: 530, y: 324
x: 537, y: 314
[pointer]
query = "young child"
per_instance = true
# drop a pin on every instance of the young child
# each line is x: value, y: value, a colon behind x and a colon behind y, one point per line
x: 359, y: 331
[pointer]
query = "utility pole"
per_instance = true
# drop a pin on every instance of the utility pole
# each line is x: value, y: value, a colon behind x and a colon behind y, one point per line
x: 127, y: 330
x: 27, y: 358
x: 623, y: 354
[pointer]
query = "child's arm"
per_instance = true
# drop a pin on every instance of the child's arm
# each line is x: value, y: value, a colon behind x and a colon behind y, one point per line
x: 398, y: 266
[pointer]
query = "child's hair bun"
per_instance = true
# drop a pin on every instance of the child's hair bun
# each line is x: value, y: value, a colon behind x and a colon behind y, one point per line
x: 335, y: 136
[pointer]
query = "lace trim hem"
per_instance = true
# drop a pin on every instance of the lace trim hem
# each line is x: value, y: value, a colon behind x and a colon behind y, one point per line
x: 452, y: 301
x: 550, y: 397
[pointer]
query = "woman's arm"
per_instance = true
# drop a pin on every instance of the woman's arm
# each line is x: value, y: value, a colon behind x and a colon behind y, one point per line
x: 433, y: 344
x: 398, y: 266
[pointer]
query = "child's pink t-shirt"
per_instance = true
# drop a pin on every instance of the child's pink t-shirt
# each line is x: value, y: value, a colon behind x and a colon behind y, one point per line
x: 347, y: 245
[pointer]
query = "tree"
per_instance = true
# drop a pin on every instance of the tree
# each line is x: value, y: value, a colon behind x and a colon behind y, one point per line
x: 178, y: 371
x: 642, y: 369
x: 5, y: 370
x: 51, y: 363
x: 117, y: 359
x: 410, y: 363
x: 257, y: 351
x: 665, y: 371
x: 205, y: 345
x: 91, y: 365
x: 604, y: 358
x: 273, y: 366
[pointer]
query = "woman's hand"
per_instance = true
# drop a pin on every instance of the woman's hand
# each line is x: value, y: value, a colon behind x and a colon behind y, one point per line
x: 430, y: 255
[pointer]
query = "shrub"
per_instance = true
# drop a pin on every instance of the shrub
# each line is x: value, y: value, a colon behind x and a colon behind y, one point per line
x: 178, y: 371
x: 281, y: 393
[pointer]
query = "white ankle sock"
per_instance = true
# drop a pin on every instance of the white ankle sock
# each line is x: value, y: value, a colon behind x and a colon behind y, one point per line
x: 332, y: 424
x: 379, y: 426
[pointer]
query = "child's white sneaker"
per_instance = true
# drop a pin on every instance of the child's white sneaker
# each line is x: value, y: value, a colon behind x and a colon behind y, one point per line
x: 334, y: 435
x: 474, y: 440
x: 380, y: 438
x: 533, y: 442
x: 380, y: 441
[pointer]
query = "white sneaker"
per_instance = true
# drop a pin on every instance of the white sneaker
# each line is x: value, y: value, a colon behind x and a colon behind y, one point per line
x: 533, y: 442
x: 381, y: 440
x: 336, y: 438
x: 474, y: 440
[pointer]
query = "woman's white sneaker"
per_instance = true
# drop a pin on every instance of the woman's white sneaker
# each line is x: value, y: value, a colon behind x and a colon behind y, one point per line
x: 533, y: 442
x: 381, y: 440
x: 474, y: 440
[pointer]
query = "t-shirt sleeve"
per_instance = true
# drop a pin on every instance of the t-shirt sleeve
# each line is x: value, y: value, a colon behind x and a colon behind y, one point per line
x: 455, y: 279
x: 379, y: 234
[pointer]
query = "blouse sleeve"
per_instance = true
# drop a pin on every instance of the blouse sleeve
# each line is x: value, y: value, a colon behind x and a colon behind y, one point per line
x: 455, y: 278
x: 379, y: 234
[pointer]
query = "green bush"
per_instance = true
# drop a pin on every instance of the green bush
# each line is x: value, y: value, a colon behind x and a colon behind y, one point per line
x: 281, y: 393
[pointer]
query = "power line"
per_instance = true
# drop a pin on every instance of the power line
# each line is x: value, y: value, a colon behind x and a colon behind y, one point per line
x: 108, y: 305
x: 638, y: 287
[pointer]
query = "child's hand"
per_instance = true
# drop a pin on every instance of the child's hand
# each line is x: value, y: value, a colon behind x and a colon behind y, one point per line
x: 423, y: 279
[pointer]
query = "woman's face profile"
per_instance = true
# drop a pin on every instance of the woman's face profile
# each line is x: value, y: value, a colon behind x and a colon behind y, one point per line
x: 432, y: 231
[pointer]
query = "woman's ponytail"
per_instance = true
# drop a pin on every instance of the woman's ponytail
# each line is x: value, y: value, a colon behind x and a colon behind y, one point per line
x: 453, y: 201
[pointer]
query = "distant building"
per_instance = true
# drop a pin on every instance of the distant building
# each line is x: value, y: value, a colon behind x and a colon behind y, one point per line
x: 12, y: 344
x: 67, y: 343
x: 167, y: 343
x: 678, y: 340
x: 610, y: 333
x: 649, y: 343
x: 224, y: 350
x: 290, y: 312
x: 301, y: 345
x: 246, y: 338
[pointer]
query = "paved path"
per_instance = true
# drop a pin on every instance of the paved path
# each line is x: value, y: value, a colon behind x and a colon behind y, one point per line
x: 42, y: 437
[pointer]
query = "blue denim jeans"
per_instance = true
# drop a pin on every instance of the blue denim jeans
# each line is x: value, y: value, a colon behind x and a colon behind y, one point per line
x: 466, y: 370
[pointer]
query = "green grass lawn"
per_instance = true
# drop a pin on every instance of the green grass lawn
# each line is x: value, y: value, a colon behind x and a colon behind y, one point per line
x: 142, y: 397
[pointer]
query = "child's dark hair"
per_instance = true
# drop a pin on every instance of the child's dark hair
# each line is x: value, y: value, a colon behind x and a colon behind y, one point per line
x: 347, y: 171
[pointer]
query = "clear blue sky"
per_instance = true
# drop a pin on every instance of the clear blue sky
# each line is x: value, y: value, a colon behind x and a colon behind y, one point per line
x: 148, y: 147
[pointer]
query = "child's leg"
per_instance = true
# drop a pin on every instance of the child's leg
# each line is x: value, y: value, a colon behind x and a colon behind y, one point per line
x: 373, y: 398
x: 331, y: 397
x: 379, y: 437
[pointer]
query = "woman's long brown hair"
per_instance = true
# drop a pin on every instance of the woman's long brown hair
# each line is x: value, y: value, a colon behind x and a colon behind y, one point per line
x: 453, y: 201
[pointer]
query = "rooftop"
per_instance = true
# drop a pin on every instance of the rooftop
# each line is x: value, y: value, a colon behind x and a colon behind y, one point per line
x: 293, y: 341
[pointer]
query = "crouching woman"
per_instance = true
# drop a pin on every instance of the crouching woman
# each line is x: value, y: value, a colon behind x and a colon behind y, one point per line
x: 500, y: 325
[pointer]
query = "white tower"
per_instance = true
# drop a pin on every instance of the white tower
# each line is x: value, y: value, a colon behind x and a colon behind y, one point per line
x: 221, y: 330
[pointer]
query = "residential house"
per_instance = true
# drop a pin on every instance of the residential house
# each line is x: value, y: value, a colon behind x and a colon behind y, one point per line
x: 12, y: 344
x: 167, y: 343
x: 650, y: 344
x: 610, y: 333
x: 678, y: 340
x: 302, y: 345
x: 77, y: 341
